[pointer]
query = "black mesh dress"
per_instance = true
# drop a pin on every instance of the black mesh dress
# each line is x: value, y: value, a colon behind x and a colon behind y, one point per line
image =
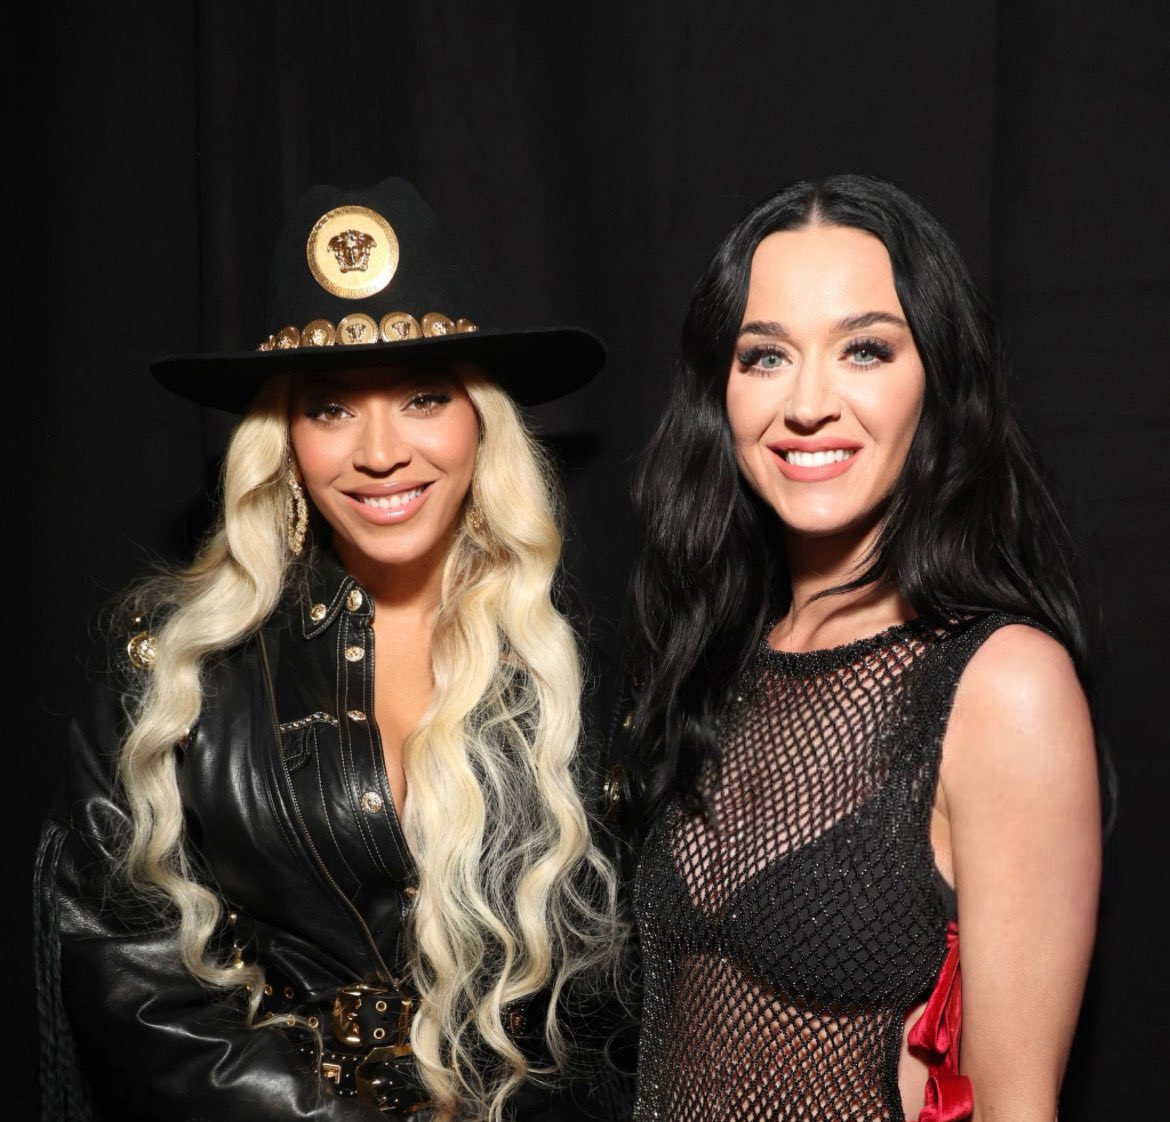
x: 785, y: 934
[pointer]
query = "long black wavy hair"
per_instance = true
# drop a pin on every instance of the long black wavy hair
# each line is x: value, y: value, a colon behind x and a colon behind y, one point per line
x: 969, y: 527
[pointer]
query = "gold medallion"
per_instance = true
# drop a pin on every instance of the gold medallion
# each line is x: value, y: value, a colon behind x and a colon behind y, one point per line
x: 319, y: 333
x: 357, y: 327
x: 287, y: 338
x: 463, y: 326
x: 352, y: 252
x: 396, y: 326
x: 435, y: 323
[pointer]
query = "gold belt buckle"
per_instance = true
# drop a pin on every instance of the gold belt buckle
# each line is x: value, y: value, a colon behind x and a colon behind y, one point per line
x: 346, y: 1027
x: 385, y: 1077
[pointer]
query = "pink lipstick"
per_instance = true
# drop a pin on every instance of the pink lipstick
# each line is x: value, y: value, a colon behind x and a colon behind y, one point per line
x: 813, y: 461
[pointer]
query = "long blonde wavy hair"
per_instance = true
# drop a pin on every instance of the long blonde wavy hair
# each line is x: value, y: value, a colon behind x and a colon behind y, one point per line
x: 514, y: 897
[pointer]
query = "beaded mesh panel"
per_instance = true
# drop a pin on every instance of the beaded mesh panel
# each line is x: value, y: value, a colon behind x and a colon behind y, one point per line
x: 786, y: 932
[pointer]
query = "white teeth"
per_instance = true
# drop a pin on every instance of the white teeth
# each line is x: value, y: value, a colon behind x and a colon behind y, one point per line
x: 392, y: 502
x: 818, y: 459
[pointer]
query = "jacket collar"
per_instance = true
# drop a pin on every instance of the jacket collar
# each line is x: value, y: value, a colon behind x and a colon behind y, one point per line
x: 328, y: 590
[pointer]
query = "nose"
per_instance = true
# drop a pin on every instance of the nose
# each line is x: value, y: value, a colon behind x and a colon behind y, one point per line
x: 812, y: 400
x: 381, y: 446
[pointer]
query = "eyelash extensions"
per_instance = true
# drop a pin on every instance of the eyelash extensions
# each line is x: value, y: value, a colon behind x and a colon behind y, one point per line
x: 882, y: 351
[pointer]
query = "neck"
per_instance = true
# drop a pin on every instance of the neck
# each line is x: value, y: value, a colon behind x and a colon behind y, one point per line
x: 817, y: 565
x: 410, y: 589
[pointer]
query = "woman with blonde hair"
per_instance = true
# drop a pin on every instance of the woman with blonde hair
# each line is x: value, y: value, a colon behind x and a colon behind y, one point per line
x: 322, y: 852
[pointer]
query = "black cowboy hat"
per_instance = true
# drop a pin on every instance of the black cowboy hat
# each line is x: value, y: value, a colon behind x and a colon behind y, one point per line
x: 365, y: 279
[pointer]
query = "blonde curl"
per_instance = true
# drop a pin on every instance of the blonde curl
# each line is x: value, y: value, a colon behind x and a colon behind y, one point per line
x: 514, y: 896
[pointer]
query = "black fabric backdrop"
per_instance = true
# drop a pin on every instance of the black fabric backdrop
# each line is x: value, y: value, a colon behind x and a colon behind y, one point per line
x: 588, y: 161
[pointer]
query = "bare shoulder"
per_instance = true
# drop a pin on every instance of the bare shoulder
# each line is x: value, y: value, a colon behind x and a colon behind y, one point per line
x: 1024, y: 669
x: 1020, y: 711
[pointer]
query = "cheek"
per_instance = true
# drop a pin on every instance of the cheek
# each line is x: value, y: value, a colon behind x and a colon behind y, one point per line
x: 910, y: 412
x: 749, y: 416
x: 453, y: 444
x: 891, y: 409
x: 302, y: 447
x: 312, y: 451
x: 750, y: 411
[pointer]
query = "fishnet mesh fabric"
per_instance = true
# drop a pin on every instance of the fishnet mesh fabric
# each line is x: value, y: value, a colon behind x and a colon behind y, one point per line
x: 787, y: 930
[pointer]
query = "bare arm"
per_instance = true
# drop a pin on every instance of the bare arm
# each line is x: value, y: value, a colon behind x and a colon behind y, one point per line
x: 1018, y: 789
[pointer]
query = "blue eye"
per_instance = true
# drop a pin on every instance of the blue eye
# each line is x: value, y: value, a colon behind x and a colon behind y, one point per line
x: 869, y: 352
x: 764, y: 360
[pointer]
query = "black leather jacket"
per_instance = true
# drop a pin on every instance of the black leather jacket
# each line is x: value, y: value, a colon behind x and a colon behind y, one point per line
x: 289, y: 811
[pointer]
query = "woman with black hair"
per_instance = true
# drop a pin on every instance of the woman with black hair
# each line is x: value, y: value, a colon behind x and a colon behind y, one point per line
x: 861, y: 734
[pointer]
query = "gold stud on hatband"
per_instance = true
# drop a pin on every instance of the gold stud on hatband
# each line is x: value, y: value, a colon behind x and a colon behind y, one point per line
x: 357, y: 328
x: 318, y: 333
x: 435, y: 324
x: 397, y: 326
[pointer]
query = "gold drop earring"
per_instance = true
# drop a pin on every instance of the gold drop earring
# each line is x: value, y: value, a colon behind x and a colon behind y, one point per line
x: 296, y: 514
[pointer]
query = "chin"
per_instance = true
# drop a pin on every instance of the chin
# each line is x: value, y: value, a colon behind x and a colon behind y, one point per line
x: 825, y: 524
x: 816, y: 523
x: 391, y: 548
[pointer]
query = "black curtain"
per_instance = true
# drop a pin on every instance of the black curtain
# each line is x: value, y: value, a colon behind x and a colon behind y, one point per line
x: 588, y: 158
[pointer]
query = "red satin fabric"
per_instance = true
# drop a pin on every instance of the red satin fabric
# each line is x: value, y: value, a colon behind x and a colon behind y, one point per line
x: 936, y: 1038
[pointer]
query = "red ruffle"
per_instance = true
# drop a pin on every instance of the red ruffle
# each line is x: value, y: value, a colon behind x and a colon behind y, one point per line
x: 936, y: 1037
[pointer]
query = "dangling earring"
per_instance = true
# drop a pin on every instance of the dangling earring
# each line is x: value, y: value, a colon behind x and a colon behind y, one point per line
x: 296, y: 515
x: 475, y: 519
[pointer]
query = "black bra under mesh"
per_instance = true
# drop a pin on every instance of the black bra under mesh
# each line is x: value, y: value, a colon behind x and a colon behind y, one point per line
x: 786, y: 932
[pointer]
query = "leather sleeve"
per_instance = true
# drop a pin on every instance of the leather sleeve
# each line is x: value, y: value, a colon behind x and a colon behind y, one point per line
x: 605, y: 1024
x: 127, y: 1033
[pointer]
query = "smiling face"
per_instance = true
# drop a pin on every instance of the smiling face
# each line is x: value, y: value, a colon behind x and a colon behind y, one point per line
x: 387, y: 458
x: 826, y: 386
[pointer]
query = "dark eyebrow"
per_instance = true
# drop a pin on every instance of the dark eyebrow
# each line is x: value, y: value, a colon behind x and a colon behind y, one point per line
x: 868, y: 319
x: 842, y: 327
x: 764, y: 327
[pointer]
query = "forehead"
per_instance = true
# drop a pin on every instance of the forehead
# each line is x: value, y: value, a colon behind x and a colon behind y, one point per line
x: 836, y: 269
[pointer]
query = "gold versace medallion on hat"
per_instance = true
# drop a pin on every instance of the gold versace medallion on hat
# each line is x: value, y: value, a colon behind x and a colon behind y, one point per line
x: 352, y: 252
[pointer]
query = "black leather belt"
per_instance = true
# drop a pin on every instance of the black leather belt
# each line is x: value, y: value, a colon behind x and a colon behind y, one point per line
x: 360, y: 1044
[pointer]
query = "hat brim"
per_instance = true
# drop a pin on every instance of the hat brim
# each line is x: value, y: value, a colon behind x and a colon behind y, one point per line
x: 534, y: 366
